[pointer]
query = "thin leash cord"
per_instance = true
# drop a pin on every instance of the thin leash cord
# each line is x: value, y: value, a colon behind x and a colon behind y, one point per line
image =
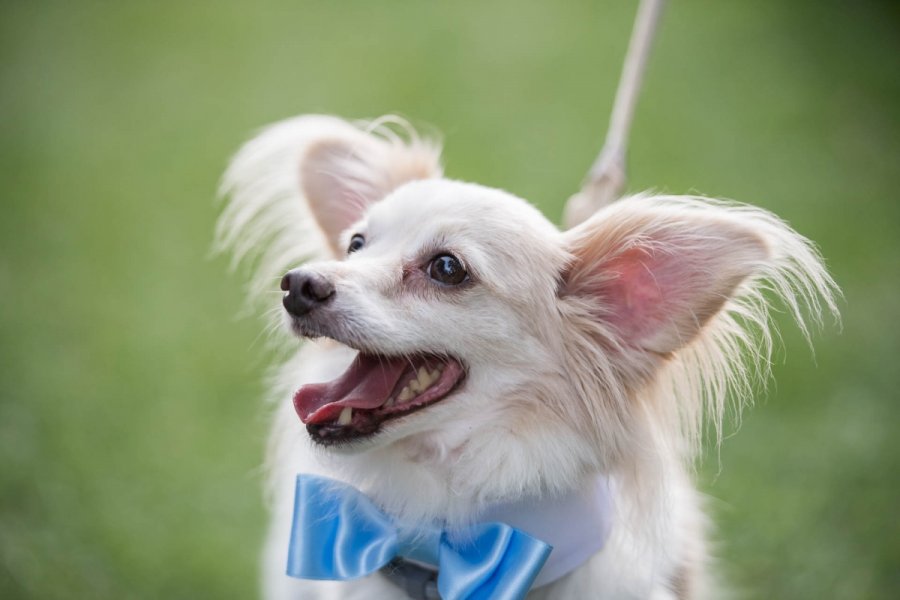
x: 645, y: 26
x: 606, y: 177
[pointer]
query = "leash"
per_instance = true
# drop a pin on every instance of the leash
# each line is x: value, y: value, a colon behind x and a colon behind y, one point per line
x: 606, y: 179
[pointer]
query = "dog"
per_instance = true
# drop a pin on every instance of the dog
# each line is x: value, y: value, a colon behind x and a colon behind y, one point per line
x: 465, y: 354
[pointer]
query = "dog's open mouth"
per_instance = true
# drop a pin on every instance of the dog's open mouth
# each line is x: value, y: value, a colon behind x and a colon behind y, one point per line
x: 374, y: 389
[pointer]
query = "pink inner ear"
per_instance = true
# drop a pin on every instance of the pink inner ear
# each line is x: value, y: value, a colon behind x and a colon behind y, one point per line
x: 636, y: 291
x: 659, y: 300
x: 345, y: 209
x: 339, y: 184
x: 657, y: 279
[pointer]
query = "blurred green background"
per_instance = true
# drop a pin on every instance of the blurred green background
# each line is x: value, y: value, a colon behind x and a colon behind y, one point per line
x: 131, y: 419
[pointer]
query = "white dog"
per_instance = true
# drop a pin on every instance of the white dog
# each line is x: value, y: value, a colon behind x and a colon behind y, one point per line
x: 480, y: 362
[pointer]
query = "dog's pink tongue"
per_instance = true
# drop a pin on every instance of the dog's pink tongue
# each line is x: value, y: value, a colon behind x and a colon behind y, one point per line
x: 368, y: 383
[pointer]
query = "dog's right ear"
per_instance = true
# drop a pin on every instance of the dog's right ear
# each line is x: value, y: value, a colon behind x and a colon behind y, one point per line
x: 656, y: 272
x: 347, y: 169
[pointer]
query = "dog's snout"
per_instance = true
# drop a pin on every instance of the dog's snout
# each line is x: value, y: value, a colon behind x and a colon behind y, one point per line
x: 306, y: 290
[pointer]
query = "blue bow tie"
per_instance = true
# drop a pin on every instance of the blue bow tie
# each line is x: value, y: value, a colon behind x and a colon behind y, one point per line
x: 338, y: 533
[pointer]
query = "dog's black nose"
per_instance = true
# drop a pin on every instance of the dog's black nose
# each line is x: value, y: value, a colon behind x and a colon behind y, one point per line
x: 305, y: 291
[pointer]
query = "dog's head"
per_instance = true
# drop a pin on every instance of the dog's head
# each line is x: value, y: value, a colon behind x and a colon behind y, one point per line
x: 486, y: 336
x: 449, y: 292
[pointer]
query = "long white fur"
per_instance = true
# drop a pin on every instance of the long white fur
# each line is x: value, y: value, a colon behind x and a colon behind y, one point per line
x: 553, y: 394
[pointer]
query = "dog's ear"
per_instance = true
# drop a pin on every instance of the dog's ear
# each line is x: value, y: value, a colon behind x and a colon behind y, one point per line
x: 342, y: 173
x: 656, y: 274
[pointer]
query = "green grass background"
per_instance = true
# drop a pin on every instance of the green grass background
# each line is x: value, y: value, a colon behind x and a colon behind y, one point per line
x: 131, y: 423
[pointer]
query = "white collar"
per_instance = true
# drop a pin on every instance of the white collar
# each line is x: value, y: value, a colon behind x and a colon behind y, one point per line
x: 576, y: 524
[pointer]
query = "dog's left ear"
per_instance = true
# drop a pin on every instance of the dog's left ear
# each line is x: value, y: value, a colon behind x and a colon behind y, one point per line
x: 347, y: 169
x: 655, y: 274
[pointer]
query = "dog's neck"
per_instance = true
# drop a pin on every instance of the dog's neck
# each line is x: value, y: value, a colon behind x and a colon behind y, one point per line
x: 576, y: 524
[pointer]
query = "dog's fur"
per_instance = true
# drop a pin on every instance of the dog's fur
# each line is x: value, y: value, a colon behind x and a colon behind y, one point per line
x: 606, y: 349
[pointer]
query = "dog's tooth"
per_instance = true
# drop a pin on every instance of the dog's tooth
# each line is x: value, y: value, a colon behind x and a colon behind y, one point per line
x: 405, y: 394
x: 435, y: 375
x: 346, y: 416
x: 424, y: 378
x: 428, y: 381
x: 390, y: 402
x: 414, y: 386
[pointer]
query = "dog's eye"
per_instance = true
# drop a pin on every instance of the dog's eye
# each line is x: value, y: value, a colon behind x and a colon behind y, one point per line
x: 356, y: 242
x: 446, y: 269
